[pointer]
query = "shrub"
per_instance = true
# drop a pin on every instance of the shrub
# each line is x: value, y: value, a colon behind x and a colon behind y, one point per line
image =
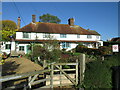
x: 98, y: 73
x: 103, y: 50
x: 81, y: 49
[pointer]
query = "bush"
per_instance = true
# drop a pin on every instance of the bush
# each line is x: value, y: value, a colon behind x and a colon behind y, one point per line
x: 101, y: 51
x: 98, y: 73
x: 81, y: 49
x: 105, y: 50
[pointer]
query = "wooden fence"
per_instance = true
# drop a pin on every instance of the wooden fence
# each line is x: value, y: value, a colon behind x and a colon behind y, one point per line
x: 49, y: 75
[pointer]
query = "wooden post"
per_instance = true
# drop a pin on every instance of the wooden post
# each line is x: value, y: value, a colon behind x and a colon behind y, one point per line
x: 51, y: 76
x: 60, y: 77
x: 76, y: 77
x: 44, y: 64
x: 81, y: 67
x: 0, y: 69
x: 29, y: 79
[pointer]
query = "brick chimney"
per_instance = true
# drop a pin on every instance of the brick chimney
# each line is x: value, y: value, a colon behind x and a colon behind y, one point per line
x: 18, y: 23
x: 33, y: 18
x: 71, y: 21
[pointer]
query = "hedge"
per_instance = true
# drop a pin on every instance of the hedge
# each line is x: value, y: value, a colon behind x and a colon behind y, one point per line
x: 98, y: 74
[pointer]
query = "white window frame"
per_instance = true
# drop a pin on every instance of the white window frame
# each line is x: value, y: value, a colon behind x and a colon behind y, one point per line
x: 22, y: 49
x: 78, y: 35
x: 26, y: 35
x: 8, y: 46
x: 46, y: 35
x: 66, y: 45
x: 63, y: 35
x: 97, y: 37
x: 89, y: 36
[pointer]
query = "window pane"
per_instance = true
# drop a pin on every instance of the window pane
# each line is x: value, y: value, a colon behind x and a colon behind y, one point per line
x: 46, y: 35
x: 78, y: 36
x: 63, y: 36
x: 89, y: 36
x: 21, y: 48
x: 97, y: 37
x: 8, y: 46
x: 25, y: 35
x: 65, y: 45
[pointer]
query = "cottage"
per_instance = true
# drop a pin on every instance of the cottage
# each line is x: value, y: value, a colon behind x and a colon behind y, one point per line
x: 68, y: 35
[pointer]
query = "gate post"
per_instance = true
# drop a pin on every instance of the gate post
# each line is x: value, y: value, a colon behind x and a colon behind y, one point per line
x: 77, y: 68
x: 51, y: 76
x: 81, y: 68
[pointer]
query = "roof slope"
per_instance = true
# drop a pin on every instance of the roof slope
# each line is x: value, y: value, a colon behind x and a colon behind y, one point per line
x: 117, y: 39
x: 56, y: 28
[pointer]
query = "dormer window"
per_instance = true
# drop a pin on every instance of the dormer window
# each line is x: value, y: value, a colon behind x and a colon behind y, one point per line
x: 63, y: 36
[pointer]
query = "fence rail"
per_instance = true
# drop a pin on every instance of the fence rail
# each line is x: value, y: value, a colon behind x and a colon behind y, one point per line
x: 53, y: 67
x: 20, y: 76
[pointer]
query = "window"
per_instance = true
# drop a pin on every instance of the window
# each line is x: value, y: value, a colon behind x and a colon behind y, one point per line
x: 21, y: 48
x: 78, y: 36
x: 89, y: 36
x: 97, y: 37
x: 25, y: 35
x: 65, y: 45
x: 8, y: 46
x: 46, y: 35
x: 63, y: 36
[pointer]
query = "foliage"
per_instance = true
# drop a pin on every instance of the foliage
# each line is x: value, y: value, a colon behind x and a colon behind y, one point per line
x: 49, y: 18
x: 49, y: 51
x: 8, y: 29
x: 81, y: 49
x: 98, y: 73
x: 103, y: 50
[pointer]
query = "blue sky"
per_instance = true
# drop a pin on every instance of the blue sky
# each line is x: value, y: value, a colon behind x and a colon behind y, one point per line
x: 99, y: 16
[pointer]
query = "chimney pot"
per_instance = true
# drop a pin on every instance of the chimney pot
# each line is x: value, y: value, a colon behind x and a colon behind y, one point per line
x: 33, y: 18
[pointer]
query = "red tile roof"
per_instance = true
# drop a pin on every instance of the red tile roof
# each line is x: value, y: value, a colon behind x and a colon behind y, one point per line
x: 56, y: 28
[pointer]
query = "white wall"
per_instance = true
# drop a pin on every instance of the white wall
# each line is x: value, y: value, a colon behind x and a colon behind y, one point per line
x: 19, y: 35
x: 70, y: 37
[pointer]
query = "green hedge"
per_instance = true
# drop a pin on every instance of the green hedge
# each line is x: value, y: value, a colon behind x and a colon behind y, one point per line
x: 103, y: 50
x: 98, y: 73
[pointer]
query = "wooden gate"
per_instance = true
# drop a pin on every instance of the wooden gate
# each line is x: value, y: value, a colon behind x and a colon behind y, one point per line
x: 32, y: 77
x: 61, y: 76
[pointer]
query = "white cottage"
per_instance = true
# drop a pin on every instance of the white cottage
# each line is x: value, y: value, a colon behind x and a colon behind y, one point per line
x: 69, y: 35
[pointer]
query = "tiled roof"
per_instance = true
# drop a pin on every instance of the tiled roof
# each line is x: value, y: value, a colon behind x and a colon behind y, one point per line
x: 116, y: 39
x: 56, y: 28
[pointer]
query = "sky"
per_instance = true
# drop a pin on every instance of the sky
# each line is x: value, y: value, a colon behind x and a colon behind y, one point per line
x: 99, y: 16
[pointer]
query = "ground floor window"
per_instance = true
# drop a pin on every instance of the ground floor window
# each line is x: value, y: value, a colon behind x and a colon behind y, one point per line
x: 65, y: 45
x: 21, y: 48
x: 8, y: 46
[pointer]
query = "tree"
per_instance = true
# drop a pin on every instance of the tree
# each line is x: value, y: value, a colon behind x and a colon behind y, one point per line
x: 9, y: 28
x: 49, y: 18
